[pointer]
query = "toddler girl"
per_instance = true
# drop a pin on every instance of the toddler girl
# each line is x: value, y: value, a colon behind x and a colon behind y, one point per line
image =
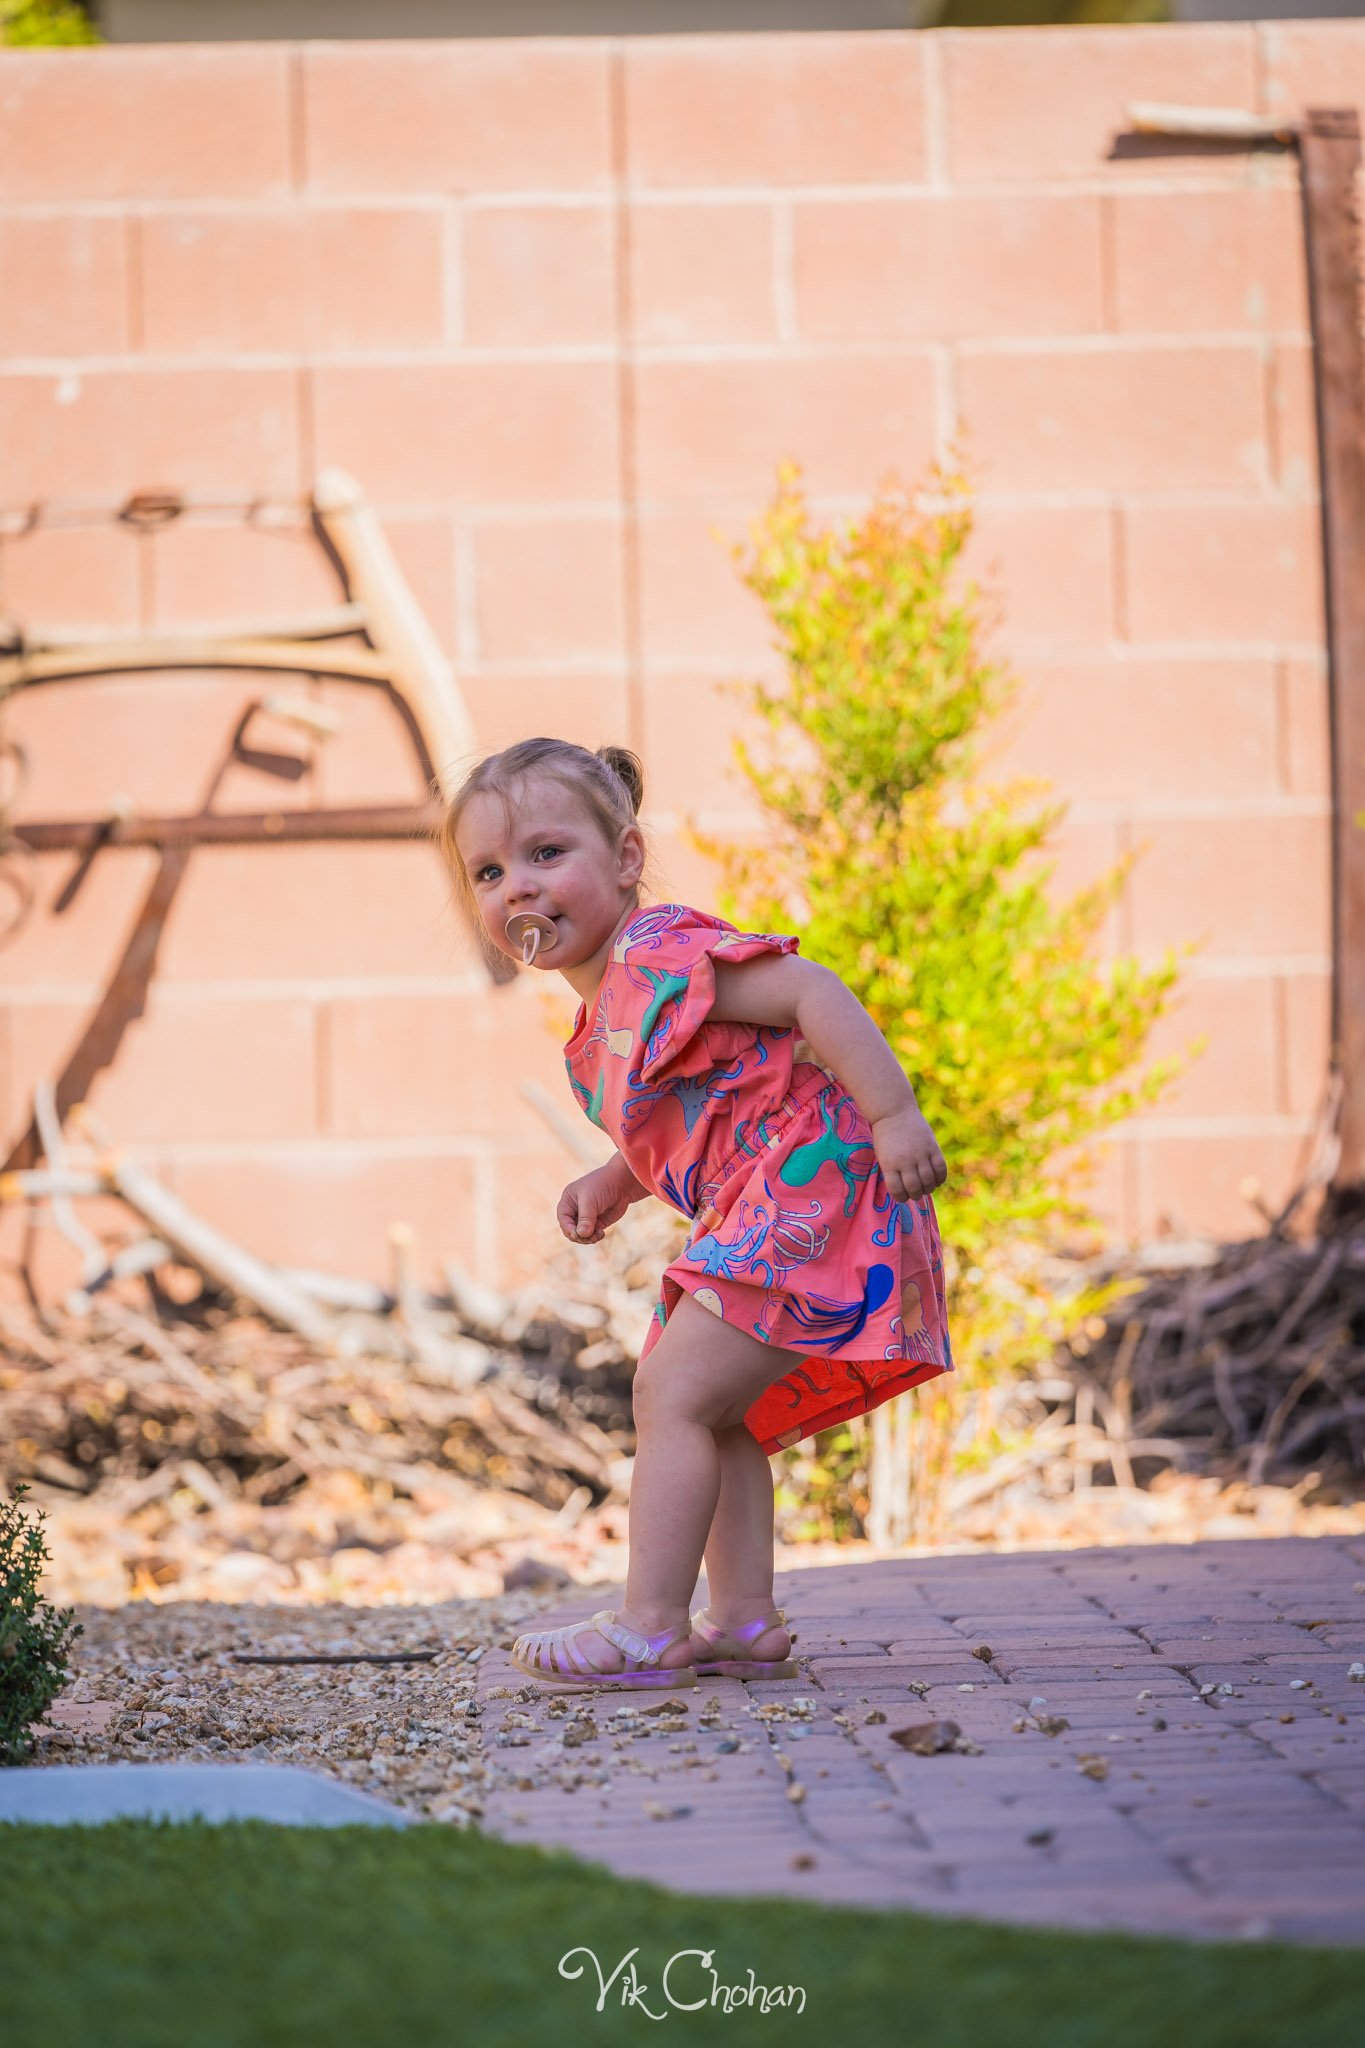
x: 811, y: 1284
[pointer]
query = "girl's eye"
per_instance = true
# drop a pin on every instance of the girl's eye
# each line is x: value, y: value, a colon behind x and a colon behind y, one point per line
x: 493, y: 869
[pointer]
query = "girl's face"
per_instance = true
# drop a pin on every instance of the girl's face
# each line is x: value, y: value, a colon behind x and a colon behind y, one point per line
x: 542, y: 851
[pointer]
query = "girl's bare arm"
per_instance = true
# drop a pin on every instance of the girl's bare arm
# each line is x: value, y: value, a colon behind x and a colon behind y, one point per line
x: 634, y: 1190
x: 785, y: 990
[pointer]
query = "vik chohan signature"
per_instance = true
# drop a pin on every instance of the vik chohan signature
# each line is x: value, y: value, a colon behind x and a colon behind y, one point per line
x: 685, y: 1975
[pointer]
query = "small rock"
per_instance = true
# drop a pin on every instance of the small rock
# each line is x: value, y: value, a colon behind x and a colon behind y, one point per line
x: 728, y: 1746
x: 796, y: 1793
x: 803, y: 1862
x: 529, y: 1572
x: 984, y: 1652
x: 1093, y: 1766
x: 1357, y: 1672
x: 1036, y: 1702
x: 1038, y: 1838
x: 872, y: 1716
x: 1146, y: 1693
x: 657, y: 1810
x: 965, y: 1687
x: 1286, y: 1717
x: 1299, y: 1684
x: 1051, y: 1724
x: 927, y: 1738
x: 1159, y: 1721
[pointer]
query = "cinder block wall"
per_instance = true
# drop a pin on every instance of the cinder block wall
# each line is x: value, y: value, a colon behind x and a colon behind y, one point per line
x: 562, y: 307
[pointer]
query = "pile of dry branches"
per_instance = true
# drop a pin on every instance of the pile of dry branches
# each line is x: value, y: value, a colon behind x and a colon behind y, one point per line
x: 126, y: 1402
x: 1248, y: 1368
x: 164, y: 1422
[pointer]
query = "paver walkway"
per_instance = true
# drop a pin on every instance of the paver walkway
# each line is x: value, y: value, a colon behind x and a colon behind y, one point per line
x: 1211, y: 1780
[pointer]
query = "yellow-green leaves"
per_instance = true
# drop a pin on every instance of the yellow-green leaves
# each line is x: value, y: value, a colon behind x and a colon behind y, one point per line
x: 927, y: 888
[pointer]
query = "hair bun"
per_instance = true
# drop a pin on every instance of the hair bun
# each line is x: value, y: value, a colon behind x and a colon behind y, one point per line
x: 628, y: 767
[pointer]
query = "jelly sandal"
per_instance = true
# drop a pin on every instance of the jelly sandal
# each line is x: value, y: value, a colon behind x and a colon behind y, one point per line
x: 554, y: 1659
x: 727, y: 1656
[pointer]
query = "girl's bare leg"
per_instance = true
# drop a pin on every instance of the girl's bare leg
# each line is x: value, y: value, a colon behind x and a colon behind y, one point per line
x: 701, y: 1376
x: 739, y: 1549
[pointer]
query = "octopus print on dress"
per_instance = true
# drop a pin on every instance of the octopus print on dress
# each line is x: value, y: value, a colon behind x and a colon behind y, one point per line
x: 796, y: 1236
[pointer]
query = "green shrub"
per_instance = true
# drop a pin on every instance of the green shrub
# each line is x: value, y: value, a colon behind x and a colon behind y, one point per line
x: 1036, y: 13
x: 927, y: 891
x: 34, y: 1638
x: 31, y: 24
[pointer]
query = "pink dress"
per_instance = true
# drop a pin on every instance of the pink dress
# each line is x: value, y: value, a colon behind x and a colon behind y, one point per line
x: 795, y: 1237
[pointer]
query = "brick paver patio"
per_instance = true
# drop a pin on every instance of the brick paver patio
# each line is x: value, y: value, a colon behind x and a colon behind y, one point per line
x: 1211, y: 1780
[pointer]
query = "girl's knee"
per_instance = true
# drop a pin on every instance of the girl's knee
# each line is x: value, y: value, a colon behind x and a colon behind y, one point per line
x: 659, y: 1395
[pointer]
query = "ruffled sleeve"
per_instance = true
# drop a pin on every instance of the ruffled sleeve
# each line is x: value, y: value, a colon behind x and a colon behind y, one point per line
x: 680, y: 969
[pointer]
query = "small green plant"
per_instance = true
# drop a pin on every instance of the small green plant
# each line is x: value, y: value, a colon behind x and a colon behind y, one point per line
x: 927, y: 890
x: 34, y: 1638
x: 1035, y: 13
x: 39, y: 24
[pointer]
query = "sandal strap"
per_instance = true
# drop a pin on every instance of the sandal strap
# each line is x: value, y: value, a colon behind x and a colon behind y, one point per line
x: 633, y: 1643
x: 558, y: 1652
x: 566, y: 1640
x: 746, y: 1632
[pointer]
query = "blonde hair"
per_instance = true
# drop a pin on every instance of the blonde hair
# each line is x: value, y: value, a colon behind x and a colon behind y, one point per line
x: 609, y: 784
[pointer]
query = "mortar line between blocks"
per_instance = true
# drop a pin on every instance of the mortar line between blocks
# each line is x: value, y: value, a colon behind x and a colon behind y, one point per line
x: 625, y: 353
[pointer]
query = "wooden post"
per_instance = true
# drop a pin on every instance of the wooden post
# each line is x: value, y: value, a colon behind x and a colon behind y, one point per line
x: 1329, y: 151
x: 397, y: 625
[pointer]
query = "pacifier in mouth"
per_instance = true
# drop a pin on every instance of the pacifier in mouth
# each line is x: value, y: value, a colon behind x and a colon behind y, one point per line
x: 533, y: 933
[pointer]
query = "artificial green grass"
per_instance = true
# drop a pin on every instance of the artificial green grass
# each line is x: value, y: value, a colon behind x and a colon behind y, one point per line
x: 251, y: 1936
